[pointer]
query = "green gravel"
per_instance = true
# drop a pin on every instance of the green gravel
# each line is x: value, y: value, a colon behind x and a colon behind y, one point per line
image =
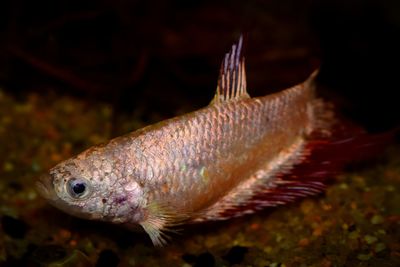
x: 356, y: 222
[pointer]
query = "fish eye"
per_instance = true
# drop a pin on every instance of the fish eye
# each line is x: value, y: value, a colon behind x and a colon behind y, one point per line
x: 78, y: 187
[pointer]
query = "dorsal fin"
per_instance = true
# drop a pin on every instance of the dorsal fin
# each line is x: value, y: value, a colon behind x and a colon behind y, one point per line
x: 232, y: 76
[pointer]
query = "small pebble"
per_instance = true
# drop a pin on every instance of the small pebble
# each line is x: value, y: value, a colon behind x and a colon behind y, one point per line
x: 35, y: 167
x: 8, y: 166
x: 318, y: 231
x: 304, y: 242
x: 307, y: 206
x: 278, y: 238
x: 31, y: 195
x: 6, y: 120
x: 370, y: 239
x: 354, y: 235
x: 376, y: 219
x: 64, y: 234
x: 364, y: 257
x: 381, y: 232
x: 390, y: 188
x: 379, y: 247
x: 267, y: 249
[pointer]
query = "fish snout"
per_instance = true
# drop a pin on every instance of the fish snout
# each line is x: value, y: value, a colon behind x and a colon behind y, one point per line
x: 44, y: 186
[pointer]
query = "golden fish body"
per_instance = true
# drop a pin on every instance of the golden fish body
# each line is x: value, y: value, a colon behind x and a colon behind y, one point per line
x: 190, y: 168
x: 191, y: 162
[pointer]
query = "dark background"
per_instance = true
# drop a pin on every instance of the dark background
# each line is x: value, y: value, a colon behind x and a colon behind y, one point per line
x: 167, y: 53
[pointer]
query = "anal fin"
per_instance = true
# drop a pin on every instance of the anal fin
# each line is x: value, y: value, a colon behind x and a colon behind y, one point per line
x: 260, y: 182
x: 305, y: 174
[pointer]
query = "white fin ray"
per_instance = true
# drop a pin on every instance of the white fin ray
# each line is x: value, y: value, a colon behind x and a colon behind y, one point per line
x: 154, y: 227
x: 232, y: 78
x: 162, y: 219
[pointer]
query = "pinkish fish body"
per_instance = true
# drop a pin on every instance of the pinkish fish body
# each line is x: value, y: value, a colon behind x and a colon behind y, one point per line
x: 197, y: 167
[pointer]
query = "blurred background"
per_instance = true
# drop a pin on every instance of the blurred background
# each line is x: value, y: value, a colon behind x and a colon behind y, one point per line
x: 167, y: 53
x: 77, y: 73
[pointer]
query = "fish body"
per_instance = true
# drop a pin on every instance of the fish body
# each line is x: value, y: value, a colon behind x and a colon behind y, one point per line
x: 195, y: 167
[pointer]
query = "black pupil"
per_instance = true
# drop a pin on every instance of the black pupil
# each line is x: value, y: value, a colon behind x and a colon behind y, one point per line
x: 79, y: 188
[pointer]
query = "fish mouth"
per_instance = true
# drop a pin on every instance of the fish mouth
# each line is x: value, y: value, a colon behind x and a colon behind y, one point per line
x: 44, y: 186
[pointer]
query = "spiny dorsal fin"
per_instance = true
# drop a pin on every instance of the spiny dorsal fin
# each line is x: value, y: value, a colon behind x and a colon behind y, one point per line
x: 232, y: 76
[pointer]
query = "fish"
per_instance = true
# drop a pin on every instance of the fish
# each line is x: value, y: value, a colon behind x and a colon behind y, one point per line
x: 233, y: 157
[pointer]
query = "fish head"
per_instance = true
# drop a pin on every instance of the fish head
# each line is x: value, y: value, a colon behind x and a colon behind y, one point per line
x: 81, y: 189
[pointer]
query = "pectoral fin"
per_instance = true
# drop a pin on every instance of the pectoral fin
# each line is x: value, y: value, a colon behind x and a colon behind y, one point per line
x: 161, y: 219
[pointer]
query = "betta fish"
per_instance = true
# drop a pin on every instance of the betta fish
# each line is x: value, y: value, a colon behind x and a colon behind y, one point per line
x: 230, y: 158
